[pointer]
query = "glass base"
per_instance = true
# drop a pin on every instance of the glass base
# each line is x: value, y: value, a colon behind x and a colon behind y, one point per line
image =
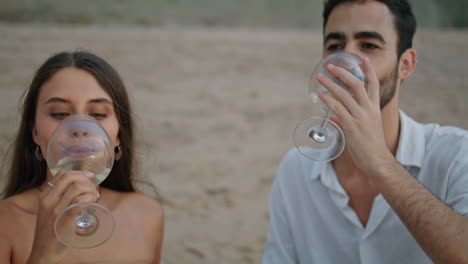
x: 316, y: 142
x: 84, y: 225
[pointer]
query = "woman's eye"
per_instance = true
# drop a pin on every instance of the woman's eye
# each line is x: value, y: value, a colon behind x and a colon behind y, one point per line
x: 59, y: 115
x: 98, y: 115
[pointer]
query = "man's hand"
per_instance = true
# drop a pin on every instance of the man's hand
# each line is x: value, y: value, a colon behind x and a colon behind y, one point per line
x: 359, y: 117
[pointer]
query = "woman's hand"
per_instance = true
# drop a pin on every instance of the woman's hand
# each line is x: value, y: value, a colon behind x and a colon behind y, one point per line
x: 359, y: 117
x: 69, y: 187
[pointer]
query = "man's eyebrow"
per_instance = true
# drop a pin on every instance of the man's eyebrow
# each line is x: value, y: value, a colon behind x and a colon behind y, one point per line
x: 334, y: 35
x: 56, y: 99
x: 370, y: 34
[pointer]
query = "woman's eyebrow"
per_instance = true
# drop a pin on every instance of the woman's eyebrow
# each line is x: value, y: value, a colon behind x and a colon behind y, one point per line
x: 100, y: 100
x: 62, y: 100
x: 56, y: 99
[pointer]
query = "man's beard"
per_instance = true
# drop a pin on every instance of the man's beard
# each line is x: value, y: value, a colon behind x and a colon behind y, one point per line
x: 387, y: 88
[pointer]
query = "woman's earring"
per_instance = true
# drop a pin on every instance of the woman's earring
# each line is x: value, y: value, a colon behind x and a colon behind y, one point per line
x: 118, y: 152
x: 38, y: 153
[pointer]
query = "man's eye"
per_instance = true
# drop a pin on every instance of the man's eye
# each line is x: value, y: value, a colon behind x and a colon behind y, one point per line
x: 98, y: 115
x: 334, y: 47
x: 59, y: 115
x: 369, y: 46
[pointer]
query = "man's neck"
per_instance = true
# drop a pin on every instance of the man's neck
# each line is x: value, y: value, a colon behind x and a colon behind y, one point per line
x: 391, y: 125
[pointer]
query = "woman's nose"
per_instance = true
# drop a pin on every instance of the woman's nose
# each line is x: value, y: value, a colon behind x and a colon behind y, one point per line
x: 77, y: 133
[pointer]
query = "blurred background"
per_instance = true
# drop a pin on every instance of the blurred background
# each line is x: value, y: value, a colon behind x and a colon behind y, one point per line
x: 243, y: 13
x: 217, y: 88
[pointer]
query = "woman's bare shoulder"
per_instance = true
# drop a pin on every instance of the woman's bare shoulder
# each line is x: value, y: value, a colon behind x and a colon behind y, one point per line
x: 147, y: 205
x: 14, y: 211
x: 139, y: 202
x: 145, y: 211
x: 7, y: 230
x: 7, y: 212
x: 22, y: 203
x: 7, y: 209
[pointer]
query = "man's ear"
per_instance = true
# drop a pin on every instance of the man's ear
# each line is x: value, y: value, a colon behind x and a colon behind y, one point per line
x: 407, y: 64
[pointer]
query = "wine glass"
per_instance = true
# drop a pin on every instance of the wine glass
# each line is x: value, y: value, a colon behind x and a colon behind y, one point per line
x: 319, y: 138
x: 80, y: 143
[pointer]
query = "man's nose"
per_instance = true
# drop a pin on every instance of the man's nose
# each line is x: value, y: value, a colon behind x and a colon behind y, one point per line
x: 349, y: 48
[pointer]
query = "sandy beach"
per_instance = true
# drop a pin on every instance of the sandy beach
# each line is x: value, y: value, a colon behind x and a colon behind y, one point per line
x: 215, y: 110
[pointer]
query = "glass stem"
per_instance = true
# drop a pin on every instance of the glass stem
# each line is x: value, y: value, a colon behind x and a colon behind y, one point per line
x: 84, y: 220
x: 325, y: 120
x: 319, y: 134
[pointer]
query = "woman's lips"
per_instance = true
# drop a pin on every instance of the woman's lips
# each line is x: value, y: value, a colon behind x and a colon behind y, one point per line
x: 78, y: 151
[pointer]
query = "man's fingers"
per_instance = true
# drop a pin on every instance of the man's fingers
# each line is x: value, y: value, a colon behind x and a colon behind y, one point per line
x: 340, y: 93
x: 353, y: 83
x: 335, y: 106
x: 372, y: 81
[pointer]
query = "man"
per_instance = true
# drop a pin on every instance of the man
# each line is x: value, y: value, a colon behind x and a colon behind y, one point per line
x: 399, y: 191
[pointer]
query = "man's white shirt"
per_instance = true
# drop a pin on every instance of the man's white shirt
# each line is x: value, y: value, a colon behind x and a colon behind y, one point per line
x: 311, y: 222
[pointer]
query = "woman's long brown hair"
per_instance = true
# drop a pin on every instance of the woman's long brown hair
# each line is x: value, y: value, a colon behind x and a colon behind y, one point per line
x: 26, y: 171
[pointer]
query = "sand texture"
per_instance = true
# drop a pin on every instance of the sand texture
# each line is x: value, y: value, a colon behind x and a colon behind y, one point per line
x: 215, y: 110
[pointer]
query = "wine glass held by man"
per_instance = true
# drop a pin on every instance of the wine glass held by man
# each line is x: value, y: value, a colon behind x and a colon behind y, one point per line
x: 75, y: 83
x: 319, y: 138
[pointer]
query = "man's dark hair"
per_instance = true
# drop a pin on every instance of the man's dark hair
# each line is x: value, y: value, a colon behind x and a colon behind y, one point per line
x: 405, y: 22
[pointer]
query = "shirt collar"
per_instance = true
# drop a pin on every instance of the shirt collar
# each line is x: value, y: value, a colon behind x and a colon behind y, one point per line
x: 411, y: 144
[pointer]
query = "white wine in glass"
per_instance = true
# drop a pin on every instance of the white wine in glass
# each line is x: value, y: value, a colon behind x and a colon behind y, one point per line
x: 80, y: 143
x: 319, y: 138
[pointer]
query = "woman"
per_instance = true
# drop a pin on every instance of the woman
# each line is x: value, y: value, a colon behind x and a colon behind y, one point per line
x: 68, y: 84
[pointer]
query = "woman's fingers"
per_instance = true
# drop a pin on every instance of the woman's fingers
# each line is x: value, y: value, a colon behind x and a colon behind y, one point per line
x: 85, y: 198
x: 67, y: 186
x: 51, y: 183
x: 77, y: 192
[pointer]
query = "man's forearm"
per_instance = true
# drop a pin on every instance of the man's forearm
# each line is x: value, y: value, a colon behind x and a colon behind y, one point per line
x: 440, y: 231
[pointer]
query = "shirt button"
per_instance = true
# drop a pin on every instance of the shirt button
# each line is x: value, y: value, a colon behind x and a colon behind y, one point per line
x: 342, y: 196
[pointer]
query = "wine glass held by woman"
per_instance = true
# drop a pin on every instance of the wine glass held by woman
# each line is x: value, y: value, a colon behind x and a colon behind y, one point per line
x: 75, y: 83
